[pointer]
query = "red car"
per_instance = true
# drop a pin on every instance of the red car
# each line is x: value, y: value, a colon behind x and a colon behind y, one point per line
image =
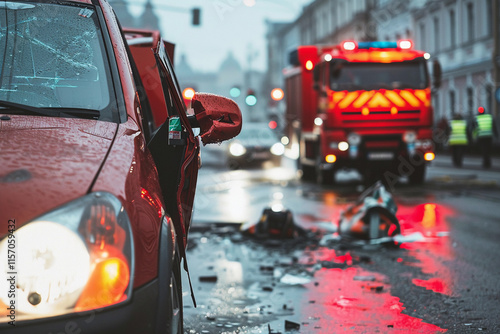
x: 98, y: 170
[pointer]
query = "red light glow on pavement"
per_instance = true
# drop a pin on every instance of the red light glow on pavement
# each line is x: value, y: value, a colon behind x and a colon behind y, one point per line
x: 431, y: 254
x: 350, y: 303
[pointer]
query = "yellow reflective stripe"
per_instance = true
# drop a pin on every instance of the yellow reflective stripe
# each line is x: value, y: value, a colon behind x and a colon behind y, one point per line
x: 484, y: 123
x: 379, y: 100
x: 363, y: 99
x: 410, y: 98
x: 458, y: 134
x: 346, y: 102
x: 337, y: 96
x: 422, y: 95
x: 395, y: 98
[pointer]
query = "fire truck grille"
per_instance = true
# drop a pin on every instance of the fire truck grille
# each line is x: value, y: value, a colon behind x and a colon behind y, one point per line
x: 380, y: 116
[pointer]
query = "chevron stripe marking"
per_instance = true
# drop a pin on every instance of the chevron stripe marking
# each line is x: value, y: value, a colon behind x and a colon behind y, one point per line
x: 362, y: 99
x: 410, y: 98
x: 351, y: 96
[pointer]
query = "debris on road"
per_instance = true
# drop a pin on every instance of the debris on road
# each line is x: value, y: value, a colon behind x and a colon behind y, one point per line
x: 290, y: 325
x: 274, y: 224
x: 372, y: 217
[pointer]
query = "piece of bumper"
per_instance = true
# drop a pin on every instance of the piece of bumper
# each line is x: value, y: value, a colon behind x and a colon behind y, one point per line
x: 136, y: 316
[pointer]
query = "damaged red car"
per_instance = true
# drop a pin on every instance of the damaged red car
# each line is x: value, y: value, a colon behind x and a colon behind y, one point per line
x: 98, y: 171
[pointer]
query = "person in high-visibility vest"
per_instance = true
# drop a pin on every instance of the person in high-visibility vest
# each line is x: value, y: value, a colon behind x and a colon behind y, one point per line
x: 483, y: 131
x: 458, y: 139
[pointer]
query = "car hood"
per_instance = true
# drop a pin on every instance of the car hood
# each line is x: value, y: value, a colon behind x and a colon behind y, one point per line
x: 47, y: 161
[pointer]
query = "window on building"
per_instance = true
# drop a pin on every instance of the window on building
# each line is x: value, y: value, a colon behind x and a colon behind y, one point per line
x: 333, y: 16
x: 452, y: 103
x: 453, y: 29
x: 326, y: 30
x: 489, y: 17
x: 489, y: 99
x: 470, y: 101
x: 436, y: 34
x: 470, y: 22
x: 342, y: 14
x: 422, y: 36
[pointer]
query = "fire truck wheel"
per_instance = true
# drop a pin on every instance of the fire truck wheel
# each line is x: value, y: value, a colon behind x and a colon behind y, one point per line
x: 418, y: 175
x: 325, y: 177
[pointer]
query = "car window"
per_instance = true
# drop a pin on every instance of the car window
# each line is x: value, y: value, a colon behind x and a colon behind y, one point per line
x: 53, y: 57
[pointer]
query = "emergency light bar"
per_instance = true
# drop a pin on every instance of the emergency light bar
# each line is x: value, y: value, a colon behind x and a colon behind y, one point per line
x: 351, y: 46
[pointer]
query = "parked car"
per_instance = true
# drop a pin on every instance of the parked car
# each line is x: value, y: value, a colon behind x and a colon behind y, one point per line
x: 257, y: 142
x: 98, y: 170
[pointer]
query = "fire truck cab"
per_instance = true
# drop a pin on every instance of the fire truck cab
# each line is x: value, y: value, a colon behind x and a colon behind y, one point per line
x: 364, y: 106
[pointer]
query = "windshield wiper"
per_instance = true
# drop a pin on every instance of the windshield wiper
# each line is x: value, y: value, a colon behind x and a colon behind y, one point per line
x: 51, y: 112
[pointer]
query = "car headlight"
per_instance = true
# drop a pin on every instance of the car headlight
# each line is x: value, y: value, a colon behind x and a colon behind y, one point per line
x: 278, y: 149
x: 410, y: 137
x: 236, y: 149
x: 75, y: 258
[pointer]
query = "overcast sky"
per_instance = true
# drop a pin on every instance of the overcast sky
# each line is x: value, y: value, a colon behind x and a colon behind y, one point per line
x: 226, y: 25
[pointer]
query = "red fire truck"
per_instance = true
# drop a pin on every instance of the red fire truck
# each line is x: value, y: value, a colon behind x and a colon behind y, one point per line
x: 364, y: 106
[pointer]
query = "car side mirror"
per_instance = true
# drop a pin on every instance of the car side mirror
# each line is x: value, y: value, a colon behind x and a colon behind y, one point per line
x: 218, y: 117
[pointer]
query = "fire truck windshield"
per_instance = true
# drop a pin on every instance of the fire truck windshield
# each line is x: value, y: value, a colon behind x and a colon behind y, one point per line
x: 353, y: 76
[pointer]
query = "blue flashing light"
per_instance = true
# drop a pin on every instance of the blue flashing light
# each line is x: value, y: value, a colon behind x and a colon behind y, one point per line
x: 378, y: 45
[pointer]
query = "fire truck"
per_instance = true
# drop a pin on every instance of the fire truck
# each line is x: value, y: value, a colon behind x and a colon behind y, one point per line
x: 363, y: 106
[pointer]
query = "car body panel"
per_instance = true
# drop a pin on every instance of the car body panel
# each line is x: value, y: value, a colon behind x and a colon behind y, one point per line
x: 130, y: 174
x: 47, y: 162
x: 56, y: 157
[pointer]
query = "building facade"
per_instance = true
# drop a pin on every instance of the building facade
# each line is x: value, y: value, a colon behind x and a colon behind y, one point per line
x: 458, y: 33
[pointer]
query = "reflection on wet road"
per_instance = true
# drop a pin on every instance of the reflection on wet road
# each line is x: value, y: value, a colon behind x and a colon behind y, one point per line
x: 318, y: 283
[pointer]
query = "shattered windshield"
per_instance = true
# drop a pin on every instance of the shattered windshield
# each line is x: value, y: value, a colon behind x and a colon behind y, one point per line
x: 53, y: 57
x: 372, y: 76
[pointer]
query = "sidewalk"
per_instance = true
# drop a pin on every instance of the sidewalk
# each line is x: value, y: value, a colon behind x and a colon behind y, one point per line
x: 443, y: 159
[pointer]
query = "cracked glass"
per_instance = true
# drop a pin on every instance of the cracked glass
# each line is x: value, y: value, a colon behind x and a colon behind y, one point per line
x: 53, y: 57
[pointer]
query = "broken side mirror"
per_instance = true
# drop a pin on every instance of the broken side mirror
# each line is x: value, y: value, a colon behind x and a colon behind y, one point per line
x: 218, y: 117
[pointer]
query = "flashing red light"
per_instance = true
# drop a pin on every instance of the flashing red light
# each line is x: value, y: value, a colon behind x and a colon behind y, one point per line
x: 349, y: 46
x: 309, y: 65
x: 273, y: 125
x: 405, y: 44
x: 480, y: 110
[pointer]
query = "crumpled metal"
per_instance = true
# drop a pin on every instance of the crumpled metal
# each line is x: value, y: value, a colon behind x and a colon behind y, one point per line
x: 219, y: 117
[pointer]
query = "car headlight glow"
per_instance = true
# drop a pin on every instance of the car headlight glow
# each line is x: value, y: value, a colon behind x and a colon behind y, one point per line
x: 236, y: 149
x: 75, y: 258
x: 278, y: 149
x: 409, y: 137
x: 343, y: 146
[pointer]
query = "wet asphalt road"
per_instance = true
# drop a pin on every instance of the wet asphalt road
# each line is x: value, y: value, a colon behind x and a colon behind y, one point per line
x: 443, y: 276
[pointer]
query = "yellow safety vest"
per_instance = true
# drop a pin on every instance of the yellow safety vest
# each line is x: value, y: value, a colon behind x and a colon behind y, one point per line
x: 458, y: 134
x: 484, y: 125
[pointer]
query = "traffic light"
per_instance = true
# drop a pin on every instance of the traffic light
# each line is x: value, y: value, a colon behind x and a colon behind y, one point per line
x: 277, y: 94
x: 235, y: 91
x: 196, y: 16
x: 251, y: 99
